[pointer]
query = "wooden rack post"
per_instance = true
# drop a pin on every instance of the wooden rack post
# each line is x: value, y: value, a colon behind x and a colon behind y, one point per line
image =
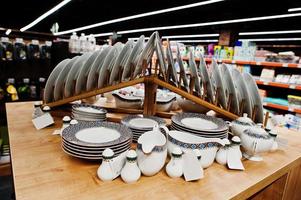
x: 150, y: 91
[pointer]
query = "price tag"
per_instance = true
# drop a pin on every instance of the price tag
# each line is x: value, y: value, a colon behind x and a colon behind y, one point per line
x: 258, y: 63
x: 299, y: 66
x: 48, y: 43
x: 292, y: 86
x: 233, y: 62
x: 285, y: 65
x: 291, y: 109
x: 265, y: 83
x: 35, y: 42
x: 264, y: 103
x: 220, y: 61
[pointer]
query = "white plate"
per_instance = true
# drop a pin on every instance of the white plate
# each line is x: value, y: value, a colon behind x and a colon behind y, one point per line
x: 254, y: 94
x: 60, y: 81
x: 109, y: 61
x: 171, y: 65
x: 49, y: 87
x: 243, y: 90
x: 206, y: 79
x: 81, y: 82
x: 119, y: 64
x: 216, y: 74
x: 182, y: 69
x: 160, y: 56
x: 195, y: 123
x: 126, y: 74
x: 228, y: 82
x: 95, y: 69
x: 73, y: 74
x: 194, y: 73
x: 146, y: 52
x: 143, y: 123
x: 97, y: 135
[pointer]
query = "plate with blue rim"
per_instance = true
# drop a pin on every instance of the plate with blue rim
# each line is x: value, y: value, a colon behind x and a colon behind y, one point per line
x: 200, y: 122
x: 142, y: 122
x: 97, y: 134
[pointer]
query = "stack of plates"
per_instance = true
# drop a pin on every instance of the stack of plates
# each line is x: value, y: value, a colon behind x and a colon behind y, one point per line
x: 201, y: 125
x: 87, y: 140
x: 140, y: 124
x: 86, y: 112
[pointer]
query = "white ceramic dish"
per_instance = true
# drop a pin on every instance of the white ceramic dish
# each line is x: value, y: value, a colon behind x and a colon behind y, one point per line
x: 49, y: 87
x: 187, y: 142
x: 207, y: 83
x: 182, y: 69
x: 95, y: 69
x: 216, y: 74
x: 81, y: 82
x: 127, y: 101
x: 194, y: 74
x: 61, y: 79
x: 171, y: 65
x: 189, y: 106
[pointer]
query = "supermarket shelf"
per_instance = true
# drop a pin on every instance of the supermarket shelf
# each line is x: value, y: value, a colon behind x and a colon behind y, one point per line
x: 280, y: 85
x: 253, y: 63
x: 281, y: 107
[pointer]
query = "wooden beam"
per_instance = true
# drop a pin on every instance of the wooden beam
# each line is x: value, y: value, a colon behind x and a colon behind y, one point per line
x: 195, y: 99
x: 95, y: 92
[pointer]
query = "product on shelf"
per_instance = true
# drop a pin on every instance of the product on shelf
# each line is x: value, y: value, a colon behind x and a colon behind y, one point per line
x: 24, y: 89
x: 11, y: 91
x: 41, y: 87
x: 82, y: 43
x: 20, y: 49
x: 267, y: 74
x: 33, y: 90
x: 74, y: 44
x: 46, y: 50
x: 8, y: 49
x: 294, y: 101
x: 34, y: 49
x: 244, y: 50
x: 282, y: 78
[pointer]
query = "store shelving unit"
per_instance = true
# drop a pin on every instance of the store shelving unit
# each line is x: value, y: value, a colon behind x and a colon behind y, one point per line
x: 279, y: 85
x: 281, y: 107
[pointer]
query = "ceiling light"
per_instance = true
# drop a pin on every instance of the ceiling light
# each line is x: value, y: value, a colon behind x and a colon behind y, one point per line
x: 8, y: 31
x: 102, y: 34
x: 270, y: 32
x: 294, y: 9
x: 57, y: 7
x: 251, y: 19
x: 181, y: 36
x: 193, y: 41
x: 270, y: 39
x: 138, y: 16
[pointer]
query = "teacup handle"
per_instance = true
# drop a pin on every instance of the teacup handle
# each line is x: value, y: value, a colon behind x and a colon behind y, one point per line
x: 165, y: 129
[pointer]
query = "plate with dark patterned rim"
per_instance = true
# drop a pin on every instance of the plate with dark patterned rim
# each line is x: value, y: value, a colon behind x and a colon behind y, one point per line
x: 142, y: 122
x: 207, y: 80
x: 197, y: 131
x: 221, y: 135
x: 89, y: 109
x: 97, y: 134
x: 199, y: 122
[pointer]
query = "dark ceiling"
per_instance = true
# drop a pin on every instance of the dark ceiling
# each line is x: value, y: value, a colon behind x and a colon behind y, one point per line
x: 16, y: 14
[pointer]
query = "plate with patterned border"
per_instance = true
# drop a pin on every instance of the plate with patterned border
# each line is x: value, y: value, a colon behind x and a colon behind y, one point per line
x: 127, y: 121
x: 221, y: 125
x: 69, y: 133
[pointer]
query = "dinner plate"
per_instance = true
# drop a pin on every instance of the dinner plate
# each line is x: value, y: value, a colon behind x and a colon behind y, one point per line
x: 171, y: 65
x: 97, y: 134
x: 161, y: 58
x: 216, y: 74
x: 81, y: 82
x: 204, y: 132
x: 87, y: 108
x: 96, y: 149
x: 142, y: 122
x: 206, y: 79
x: 145, y: 53
x: 223, y: 135
x: 194, y: 74
x: 60, y: 81
x: 49, y: 87
x: 254, y: 94
x: 243, y: 90
x: 73, y: 74
x: 228, y: 82
x: 117, y: 69
x: 129, y: 66
x: 109, y: 61
x: 95, y: 69
x: 200, y: 122
x: 182, y: 69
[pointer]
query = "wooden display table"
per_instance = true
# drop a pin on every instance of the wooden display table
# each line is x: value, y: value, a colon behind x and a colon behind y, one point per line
x: 42, y: 170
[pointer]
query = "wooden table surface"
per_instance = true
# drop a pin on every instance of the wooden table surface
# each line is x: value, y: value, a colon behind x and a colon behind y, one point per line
x: 41, y: 170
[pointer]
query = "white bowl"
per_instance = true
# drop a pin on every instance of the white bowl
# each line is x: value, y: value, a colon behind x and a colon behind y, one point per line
x: 187, y: 142
x: 126, y: 101
x: 189, y: 106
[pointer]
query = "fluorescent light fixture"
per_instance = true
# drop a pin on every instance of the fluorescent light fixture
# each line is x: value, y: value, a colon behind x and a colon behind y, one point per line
x: 294, y: 9
x: 57, y: 7
x: 8, y: 31
x: 182, y: 36
x: 270, y: 32
x: 252, y: 19
x: 194, y: 41
x: 139, y: 16
x: 102, y: 34
x: 270, y: 39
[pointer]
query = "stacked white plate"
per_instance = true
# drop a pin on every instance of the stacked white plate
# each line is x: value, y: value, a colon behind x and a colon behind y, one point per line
x: 87, y: 140
x: 86, y: 112
x: 201, y: 125
x: 140, y: 124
